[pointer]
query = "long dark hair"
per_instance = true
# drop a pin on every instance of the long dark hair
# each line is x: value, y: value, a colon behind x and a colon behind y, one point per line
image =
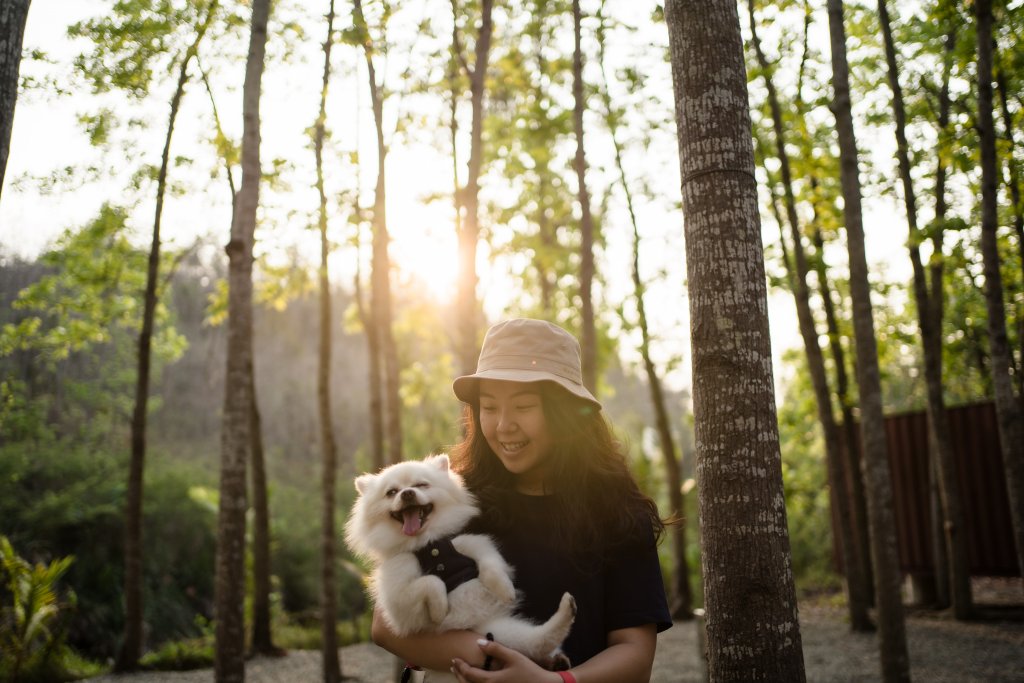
x: 599, y: 502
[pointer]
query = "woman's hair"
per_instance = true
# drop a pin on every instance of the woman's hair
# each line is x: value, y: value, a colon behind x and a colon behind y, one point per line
x: 600, y: 503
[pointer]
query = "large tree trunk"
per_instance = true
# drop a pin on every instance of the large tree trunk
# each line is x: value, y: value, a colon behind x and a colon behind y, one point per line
x: 588, y: 331
x: 469, y: 234
x: 236, y: 437
x: 1008, y: 410
x: 262, y: 636
x: 13, y: 14
x: 752, y: 627
x: 131, y: 645
x: 380, y: 278
x: 891, y: 628
x: 930, y: 320
x: 857, y: 599
x: 331, y: 665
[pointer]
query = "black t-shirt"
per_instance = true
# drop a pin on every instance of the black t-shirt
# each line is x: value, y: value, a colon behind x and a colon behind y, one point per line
x: 614, y: 588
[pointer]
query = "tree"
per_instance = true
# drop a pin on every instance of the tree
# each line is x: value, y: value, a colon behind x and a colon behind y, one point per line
x: 1008, y: 412
x: 469, y: 230
x: 131, y: 646
x: 588, y: 332
x: 12, y: 26
x: 752, y: 627
x: 236, y: 437
x: 328, y: 590
x: 891, y: 629
x: 857, y: 599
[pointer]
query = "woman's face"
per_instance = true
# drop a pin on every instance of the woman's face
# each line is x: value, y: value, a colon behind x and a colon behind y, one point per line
x: 513, y: 424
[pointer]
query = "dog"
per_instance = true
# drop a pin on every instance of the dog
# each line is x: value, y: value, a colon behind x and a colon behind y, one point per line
x: 428, y: 576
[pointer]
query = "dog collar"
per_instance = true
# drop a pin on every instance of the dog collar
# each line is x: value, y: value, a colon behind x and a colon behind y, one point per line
x: 441, y: 559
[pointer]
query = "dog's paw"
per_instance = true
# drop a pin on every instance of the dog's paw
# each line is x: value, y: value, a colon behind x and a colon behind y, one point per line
x: 559, y: 662
x: 568, y: 603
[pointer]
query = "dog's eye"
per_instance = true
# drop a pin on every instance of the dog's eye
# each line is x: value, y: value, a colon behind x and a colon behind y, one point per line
x: 422, y: 485
x: 391, y: 493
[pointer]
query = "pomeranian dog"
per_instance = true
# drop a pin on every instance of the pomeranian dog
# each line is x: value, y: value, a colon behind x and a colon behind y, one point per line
x: 427, y: 576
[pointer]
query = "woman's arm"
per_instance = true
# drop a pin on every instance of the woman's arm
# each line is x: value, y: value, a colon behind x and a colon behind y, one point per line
x: 427, y: 650
x: 627, y: 659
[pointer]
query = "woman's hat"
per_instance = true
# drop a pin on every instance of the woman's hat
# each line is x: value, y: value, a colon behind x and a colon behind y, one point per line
x: 527, y: 350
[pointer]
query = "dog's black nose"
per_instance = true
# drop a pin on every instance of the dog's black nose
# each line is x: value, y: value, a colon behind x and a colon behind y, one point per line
x: 408, y: 494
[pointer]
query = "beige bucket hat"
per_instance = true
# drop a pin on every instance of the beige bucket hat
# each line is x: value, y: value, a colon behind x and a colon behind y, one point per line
x: 527, y: 350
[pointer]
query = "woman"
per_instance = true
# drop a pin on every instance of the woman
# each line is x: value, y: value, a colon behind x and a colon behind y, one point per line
x: 557, y: 496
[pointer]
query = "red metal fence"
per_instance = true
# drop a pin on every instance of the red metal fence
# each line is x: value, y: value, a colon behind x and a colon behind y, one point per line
x: 982, y: 488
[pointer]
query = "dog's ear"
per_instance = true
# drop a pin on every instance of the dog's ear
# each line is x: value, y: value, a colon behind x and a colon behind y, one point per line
x: 363, y: 482
x: 439, y: 461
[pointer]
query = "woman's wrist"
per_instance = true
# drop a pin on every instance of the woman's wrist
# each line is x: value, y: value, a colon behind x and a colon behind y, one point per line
x: 565, y: 677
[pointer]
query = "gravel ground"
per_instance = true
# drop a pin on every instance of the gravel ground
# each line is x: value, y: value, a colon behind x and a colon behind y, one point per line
x: 987, y: 650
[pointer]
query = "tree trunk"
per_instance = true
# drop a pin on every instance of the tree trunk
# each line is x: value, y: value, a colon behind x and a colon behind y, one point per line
x: 1008, y: 412
x: 380, y: 278
x: 13, y: 14
x: 891, y: 628
x: 930, y: 320
x: 588, y: 331
x: 131, y: 646
x: 752, y: 627
x: 331, y: 665
x: 262, y: 635
x: 857, y: 602
x: 469, y: 234
x: 236, y: 438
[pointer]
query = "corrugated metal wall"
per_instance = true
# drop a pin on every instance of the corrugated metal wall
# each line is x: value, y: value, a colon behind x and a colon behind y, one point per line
x: 982, y: 488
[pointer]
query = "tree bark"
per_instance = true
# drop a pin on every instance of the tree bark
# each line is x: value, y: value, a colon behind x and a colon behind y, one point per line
x: 331, y: 665
x: 895, y: 662
x: 752, y: 627
x: 380, y: 278
x: 262, y: 634
x: 131, y: 646
x: 236, y: 437
x: 857, y: 602
x: 469, y: 234
x: 1008, y: 411
x: 930, y: 321
x: 588, y: 331
x: 13, y: 14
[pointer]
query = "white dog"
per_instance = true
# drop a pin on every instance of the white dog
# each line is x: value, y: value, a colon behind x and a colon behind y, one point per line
x: 429, y: 577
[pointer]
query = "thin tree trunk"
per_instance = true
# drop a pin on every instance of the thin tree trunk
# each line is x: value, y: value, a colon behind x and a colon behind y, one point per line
x: 752, y: 627
x: 681, y: 595
x: 469, y: 233
x: 131, y: 645
x: 588, y: 331
x: 331, y: 665
x: 262, y: 636
x: 930, y: 320
x: 380, y: 279
x: 856, y: 597
x: 1008, y: 412
x: 13, y: 14
x: 236, y: 438
x: 895, y: 662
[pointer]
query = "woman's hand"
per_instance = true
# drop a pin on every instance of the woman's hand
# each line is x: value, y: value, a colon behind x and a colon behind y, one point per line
x: 508, y: 666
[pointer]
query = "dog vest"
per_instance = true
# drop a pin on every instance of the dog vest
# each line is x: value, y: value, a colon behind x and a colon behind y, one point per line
x: 441, y: 559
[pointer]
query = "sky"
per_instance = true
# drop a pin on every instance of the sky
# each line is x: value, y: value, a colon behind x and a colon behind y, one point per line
x: 47, y: 136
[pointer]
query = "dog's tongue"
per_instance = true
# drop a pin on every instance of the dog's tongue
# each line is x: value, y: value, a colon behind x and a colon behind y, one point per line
x: 411, y: 521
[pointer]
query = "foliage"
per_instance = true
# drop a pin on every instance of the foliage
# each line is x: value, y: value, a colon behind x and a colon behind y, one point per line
x: 33, y: 622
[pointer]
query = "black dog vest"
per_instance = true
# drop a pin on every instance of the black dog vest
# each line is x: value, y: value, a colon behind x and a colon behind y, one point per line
x: 441, y: 559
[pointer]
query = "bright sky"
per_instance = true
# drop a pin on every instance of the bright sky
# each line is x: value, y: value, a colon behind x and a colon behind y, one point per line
x: 47, y: 137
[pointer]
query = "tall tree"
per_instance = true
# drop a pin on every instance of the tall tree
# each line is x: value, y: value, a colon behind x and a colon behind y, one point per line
x: 857, y: 600
x: 891, y: 628
x: 1008, y: 411
x: 681, y: 596
x: 13, y: 14
x: 328, y: 589
x: 752, y: 627
x: 469, y: 229
x: 131, y: 644
x: 236, y: 436
x: 380, y: 278
x: 929, y: 311
x: 588, y: 330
